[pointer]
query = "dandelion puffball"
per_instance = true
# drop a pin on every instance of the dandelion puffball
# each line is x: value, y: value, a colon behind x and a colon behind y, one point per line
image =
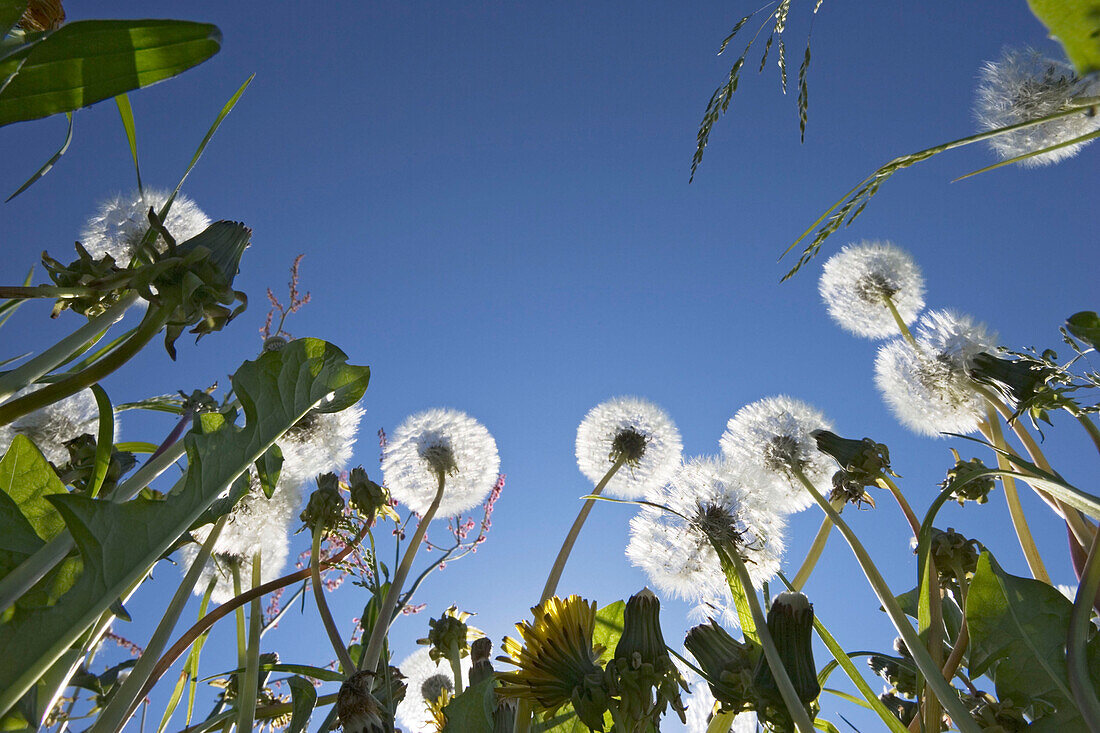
x: 425, y: 679
x: 712, y: 500
x: 929, y: 388
x: 51, y: 426
x: 122, y: 221
x: 440, y: 441
x: 856, y: 282
x: 320, y: 442
x: 636, y: 429
x: 1023, y: 85
x: 776, y: 435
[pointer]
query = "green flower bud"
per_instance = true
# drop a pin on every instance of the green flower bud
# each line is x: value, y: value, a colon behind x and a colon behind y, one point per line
x: 449, y: 635
x: 641, y: 664
x: 481, y: 667
x: 862, y: 463
x: 791, y: 624
x: 966, y: 483
x: 368, y: 498
x: 325, y: 504
x: 903, y: 710
x: 954, y: 555
x: 727, y: 664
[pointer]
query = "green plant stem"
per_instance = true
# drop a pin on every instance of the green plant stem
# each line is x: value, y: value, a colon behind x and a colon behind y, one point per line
x: 552, y: 579
x: 721, y: 722
x: 1090, y: 428
x: 816, y: 548
x: 57, y: 354
x: 905, y: 332
x: 248, y: 688
x: 369, y: 658
x: 125, y: 699
x: 910, y: 515
x: 45, y: 291
x: 992, y: 433
x: 963, y: 639
x: 1076, y: 653
x: 455, y: 659
x: 931, y: 671
x: 322, y: 606
x: 151, y: 325
x: 771, y: 653
x: 34, y: 568
x: 242, y: 639
x: 267, y: 712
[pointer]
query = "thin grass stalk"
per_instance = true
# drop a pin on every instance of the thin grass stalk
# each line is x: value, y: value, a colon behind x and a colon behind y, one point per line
x: 720, y: 722
x: 816, y: 548
x: 992, y: 432
x: 570, y: 539
x: 931, y: 671
x: 248, y: 688
x: 1080, y: 682
x: 322, y: 605
x: 57, y: 354
x: 369, y: 658
x: 125, y: 700
x: 1090, y: 428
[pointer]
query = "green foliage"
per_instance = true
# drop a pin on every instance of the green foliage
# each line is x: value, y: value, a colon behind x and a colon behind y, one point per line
x: 119, y: 542
x: 304, y: 699
x: 1085, y: 326
x: 472, y: 710
x: 1076, y: 25
x: 88, y: 61
x: 1018, y: 630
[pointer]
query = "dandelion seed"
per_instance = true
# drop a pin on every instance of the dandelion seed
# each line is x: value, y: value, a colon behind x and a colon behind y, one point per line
x: 775, y: 435
x: 122, y: 221
x: 929, y: 389
x: 700, y: 706
x: 50, y: 427
x: 436, y: 442
x: 859, y: 283
x: 425, y: 680
x: 677, y: 554
x: 1024, y: 85
x: 637, y: 430
x: 319, y: 443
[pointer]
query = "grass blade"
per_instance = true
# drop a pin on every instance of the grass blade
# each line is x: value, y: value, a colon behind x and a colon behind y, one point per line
x: 49, y: 163
x: 127, y: 114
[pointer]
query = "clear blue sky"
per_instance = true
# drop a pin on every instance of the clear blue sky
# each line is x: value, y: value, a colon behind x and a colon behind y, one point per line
x: 494, y: 206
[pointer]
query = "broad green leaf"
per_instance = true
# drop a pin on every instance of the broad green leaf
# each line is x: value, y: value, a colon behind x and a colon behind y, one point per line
x: 304, y: 699
x: 268, y: 468
x: 49, y: 163
x: 91, y: 60
x: 10, y: 13
x: 471, y: 711
x: 119, y: 542
x: 1085, y: 326
x: 27, y: 478
x: 1018, y: 629
x: 1076, y: 25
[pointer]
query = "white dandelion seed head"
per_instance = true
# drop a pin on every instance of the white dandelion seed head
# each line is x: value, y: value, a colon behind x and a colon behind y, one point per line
x: 320, y: 442
x: 51, y: 426
x: 775, y: 435
x: 122, y: 221
x: 425, y: 679
x: 440, y: 438
x: 929, y: 389
x: 256, y: 524
x: 855, y: 282
x: 717, y: 500
x: 1024, y: 85
x: 628, y: 417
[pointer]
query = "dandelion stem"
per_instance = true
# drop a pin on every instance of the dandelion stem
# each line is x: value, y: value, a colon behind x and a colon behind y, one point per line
x: 1090, y: 428
x: 932, y: 672
x: 816, y: 548
x: 454, y: 656
x: 901, y: 322
x: 567, y: 546
x: 235, y: 568
x: 322, y: 605
x: 369, y: 658
x: 886, y: 482
x: 992, y: 432
x: 771, y: 653
x: 1076, y: 654
x: 248, y: 689
x: 720, y: 722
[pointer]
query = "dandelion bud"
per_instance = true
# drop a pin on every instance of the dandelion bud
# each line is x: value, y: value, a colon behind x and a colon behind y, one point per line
x: 275, y: 343
x: 1023, y: 383
x: 901, y: 678
x: 955, y: 556
x: 903, y: 710
x: 368, y: 498
x: 481, y: 667
x: 791, y: 623
x: 728, y: 664
x: 449, y: 635
x: 1001, y: 716
x: 80, y: 470
x: 966, y: 483
x: 325, y: 504
x: 642, y: 664
x: 358, y: 710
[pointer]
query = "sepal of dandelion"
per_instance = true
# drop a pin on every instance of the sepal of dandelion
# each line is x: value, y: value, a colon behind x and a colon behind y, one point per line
x: 848, y: 208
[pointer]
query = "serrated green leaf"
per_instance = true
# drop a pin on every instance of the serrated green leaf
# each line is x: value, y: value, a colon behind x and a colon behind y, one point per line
x: 304, y: 698
x: 1085, y: 326
x: 1018, y: 628
x: 27, y: 478
x: 119, y: 542
x: 91, y: 60
x: 1076, y: 25
x: 268, y: 468
x: 472, y: 710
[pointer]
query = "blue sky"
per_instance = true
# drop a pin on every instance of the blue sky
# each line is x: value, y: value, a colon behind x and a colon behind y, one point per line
x: 494, y: 206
